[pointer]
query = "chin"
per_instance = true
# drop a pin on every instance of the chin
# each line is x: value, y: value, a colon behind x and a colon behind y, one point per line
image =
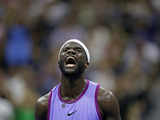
x: 75, y: 71
x: 70, y: 72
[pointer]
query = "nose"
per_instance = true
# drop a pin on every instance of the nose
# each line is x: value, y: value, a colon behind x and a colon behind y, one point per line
x: 71, y: 52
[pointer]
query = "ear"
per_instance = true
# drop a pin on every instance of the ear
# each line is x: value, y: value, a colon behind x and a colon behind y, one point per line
x: 58, y: 62
x: 86, y: 65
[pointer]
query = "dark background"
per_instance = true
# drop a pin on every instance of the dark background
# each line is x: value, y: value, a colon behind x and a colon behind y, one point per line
x: 123, y: 37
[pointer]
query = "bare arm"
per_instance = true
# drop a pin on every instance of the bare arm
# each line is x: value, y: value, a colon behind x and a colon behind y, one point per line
x: 109, y: 106
x: 41, y: 110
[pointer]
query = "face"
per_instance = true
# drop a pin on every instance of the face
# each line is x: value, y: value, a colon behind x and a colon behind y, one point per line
x: 73, y: 59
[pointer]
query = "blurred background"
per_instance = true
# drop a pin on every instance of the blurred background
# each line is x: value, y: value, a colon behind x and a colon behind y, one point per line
x: 123, y: 37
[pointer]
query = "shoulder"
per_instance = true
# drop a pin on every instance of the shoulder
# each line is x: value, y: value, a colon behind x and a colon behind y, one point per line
x: 108, y: 102
x: 42, y: 104
x: 105, y: 95
x: 41, y: 107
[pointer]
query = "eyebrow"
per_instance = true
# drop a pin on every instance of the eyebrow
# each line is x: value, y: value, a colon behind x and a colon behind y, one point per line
x: 78, y: 48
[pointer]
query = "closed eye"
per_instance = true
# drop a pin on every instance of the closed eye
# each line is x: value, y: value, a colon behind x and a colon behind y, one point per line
x: 78, y: 49
x: 65, y: 49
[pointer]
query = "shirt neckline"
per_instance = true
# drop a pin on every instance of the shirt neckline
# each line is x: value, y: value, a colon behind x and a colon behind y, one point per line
x: 74, y: 100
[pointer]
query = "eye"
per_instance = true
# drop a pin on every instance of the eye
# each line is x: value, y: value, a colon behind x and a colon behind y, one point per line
x: 65, y: 49
x: 78, y: 49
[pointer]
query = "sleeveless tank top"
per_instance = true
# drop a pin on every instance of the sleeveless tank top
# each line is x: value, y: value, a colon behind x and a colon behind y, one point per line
x: 84, y: 107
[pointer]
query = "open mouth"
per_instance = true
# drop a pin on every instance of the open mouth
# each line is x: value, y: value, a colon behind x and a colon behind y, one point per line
x: 70, y: 62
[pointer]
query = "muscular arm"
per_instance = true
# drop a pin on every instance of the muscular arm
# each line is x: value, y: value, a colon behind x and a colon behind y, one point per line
x: 108, y: 105
x: 42, y: 108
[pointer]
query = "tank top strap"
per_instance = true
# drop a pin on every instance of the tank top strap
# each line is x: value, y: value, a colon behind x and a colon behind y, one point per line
x: 92, y: 89
x: 93, y: 92
x: 52, y: 94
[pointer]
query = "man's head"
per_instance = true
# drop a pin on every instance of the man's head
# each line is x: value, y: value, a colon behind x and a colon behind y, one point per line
x: 73, y: 57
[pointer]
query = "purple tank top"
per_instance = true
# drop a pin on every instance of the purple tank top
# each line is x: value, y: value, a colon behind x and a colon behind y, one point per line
x: 85, y: 107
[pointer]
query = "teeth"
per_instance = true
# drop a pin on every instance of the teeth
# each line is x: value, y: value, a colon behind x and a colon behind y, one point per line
x: 70, y: 65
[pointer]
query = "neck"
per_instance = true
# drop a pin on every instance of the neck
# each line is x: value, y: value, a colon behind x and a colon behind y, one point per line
x: 71, y: 87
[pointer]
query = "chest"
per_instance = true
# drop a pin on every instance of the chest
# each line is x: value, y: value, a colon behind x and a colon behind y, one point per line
x: 83, y: 109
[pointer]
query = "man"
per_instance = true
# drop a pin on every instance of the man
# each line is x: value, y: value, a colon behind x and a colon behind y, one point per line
x: 76, y: 98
